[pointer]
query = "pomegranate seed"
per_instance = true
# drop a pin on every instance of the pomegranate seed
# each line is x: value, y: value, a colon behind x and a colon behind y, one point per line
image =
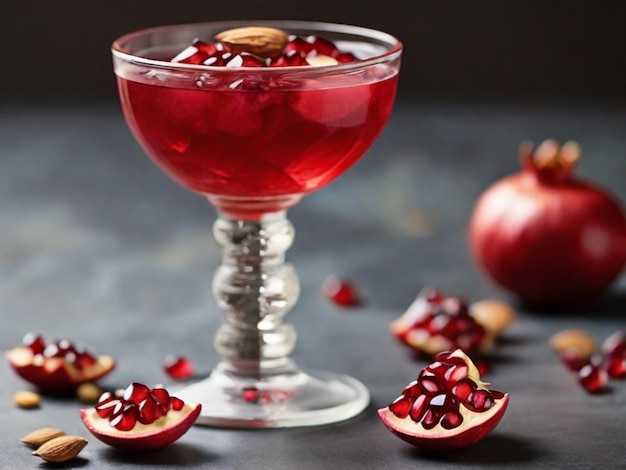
x: 35, y: 342
x: 290, y: 59
x: 197, y: 53
x: 250, y: 394
x: 244, y: 60
x: 463, y: 389
x: 162, y: 396
x: 451, y: 420
x: 126, y: 419
x: 208, y: 49
x: 298, y: 45
x: 323, y: 46
x: 84, y: 360
x: 105, y: 397
x: 419, y: 408
x: 455, y: 373
x: 616, y: 367
x: 482, y: 366
x: 412, y: 391
x: 572, y: 360
x: 431, y: 385
x: 340, y: 291
x: 149, y: 411
x: 593, y: 378
x: 344, y: 57
x: 106, y: 408
x: 177, y: 404
x: 615, y: 345
x: 430, y: 420
x: 481, y: 399
x: 136, y: 393
x: 179, y: 368
x: 401, y: 407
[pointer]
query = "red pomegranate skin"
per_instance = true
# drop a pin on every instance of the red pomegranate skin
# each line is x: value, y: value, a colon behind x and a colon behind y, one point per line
x: 570, y: 256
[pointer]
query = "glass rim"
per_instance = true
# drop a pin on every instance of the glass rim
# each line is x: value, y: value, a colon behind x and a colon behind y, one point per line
x: 119, y: 50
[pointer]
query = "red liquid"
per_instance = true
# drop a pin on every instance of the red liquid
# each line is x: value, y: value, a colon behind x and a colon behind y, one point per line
x: 256, y: 141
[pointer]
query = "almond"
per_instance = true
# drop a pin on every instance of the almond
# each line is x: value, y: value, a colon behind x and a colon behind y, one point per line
x: 258, y: 40
x: 88, y: 393
x: 578, y: 341
x: 27, y: 399
x: 61, y: 449
x: 41, y: 436
x: 495, y: 316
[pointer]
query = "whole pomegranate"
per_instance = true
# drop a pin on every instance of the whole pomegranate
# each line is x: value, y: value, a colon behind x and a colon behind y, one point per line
x: 550, y: 238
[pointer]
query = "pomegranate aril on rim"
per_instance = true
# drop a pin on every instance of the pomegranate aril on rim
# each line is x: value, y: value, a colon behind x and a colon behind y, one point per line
x: 295, y: 53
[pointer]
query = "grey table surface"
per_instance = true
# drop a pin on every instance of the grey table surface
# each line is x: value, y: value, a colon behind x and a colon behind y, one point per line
x: 96, y: 245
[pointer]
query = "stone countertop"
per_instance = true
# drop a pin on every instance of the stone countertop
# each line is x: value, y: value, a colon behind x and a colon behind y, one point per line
x: 98, y: 246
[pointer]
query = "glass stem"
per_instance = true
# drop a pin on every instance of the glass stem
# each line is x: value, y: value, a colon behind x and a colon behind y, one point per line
x: 255, y: 289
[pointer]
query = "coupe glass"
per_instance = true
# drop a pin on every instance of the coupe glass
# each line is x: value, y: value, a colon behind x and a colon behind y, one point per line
x: 254, y: 141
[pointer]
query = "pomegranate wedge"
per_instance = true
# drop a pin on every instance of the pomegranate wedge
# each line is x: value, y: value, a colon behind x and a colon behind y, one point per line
x: 57, y: 367
x: 141, y: 419
x: 447, y: 407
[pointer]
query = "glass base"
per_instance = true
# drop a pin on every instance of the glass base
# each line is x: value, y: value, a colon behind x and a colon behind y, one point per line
x: 281, y: 396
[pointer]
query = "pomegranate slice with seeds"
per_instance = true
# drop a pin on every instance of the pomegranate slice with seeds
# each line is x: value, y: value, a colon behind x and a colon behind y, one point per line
x: 447, y: 407
x: 56, y: 367
x: 435, y: 322
x: 141, y: 419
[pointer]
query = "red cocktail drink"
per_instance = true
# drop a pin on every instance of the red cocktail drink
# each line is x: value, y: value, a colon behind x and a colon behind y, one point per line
x: 252, y: 133
x: 253, y: 117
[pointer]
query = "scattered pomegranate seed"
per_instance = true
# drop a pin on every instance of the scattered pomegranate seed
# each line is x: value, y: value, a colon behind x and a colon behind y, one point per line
x: 593, y: 378
x: 482, y: 366
x: 250, y: 395
x: 615, y: 345
x: 616, y: 367
x: 341, y: 291
x: 573, y: 361
x: 178, y: 367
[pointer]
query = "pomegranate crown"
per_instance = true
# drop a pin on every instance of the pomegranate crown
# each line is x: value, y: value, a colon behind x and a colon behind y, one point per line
x: 550, y: 162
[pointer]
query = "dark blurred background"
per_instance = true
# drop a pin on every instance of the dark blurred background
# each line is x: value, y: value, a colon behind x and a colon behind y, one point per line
x: 455, y: 49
